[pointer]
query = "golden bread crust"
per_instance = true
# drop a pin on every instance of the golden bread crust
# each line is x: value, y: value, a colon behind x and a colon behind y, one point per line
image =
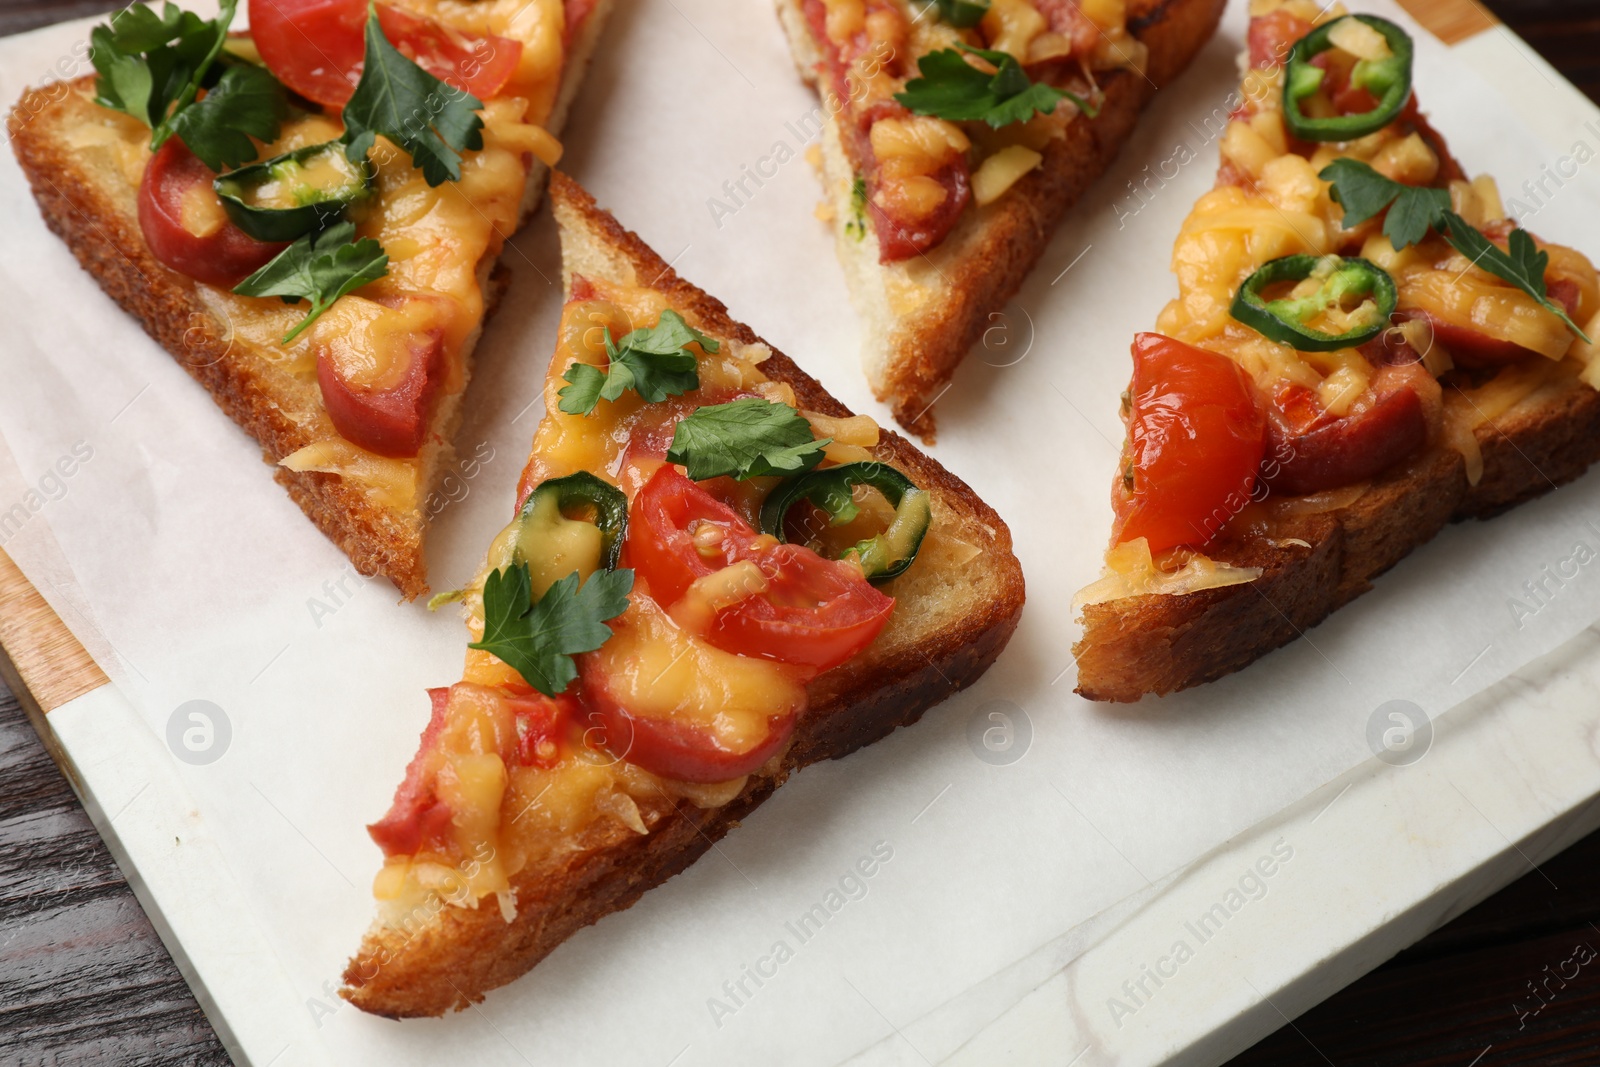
x: 933, y: 648
x: 1160, y: 644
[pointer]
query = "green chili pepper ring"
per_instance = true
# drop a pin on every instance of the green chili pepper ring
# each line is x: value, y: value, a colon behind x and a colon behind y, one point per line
x: 830, y: 488
x: 1387, y: 79
x: 578, y: 490
x: 1284, y: 320
x: 315, y: 208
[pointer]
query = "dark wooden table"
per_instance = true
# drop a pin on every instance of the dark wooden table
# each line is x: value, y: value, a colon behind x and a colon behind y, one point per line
x: 84, y: 978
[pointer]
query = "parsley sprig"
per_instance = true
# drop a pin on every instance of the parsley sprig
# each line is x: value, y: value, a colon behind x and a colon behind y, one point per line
x: 1413, y: 211
x: 746, y: 438
x: 434, y: 122
x: 539, y: 638
x: 152, y: 66
x: 320, y: 268
x: 654, y: 363
x: 952, y: 88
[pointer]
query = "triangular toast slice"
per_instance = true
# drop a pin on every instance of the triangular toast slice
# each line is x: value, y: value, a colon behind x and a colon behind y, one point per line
x: 373, y: 498
x: 500, y: 849
x: 938, y: 222
x: 1284, y: 450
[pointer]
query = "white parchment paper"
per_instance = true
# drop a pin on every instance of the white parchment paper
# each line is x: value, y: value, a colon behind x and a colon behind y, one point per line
x: 173, y: 555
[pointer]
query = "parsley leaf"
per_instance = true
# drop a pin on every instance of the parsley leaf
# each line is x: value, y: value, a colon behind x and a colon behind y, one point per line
x: 539, y: 639
x: 1363, y: 193
x: 246, y: 102
x: 747, y: 438
x: 951, y: 88
x: 432, y: 121
x: 1413, y: 211
x: 653, y: 363
x: 320, y: 268
x: 153, y: 66
x: 1523, y: 266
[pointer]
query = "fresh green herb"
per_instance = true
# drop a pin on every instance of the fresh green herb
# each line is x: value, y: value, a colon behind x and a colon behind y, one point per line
x: 951, y: 88
x: 746, y: 438
x: 320, y: 268
x: 1363, y: 192
x: 539, y: 638
x: 432, y: 121
x: 153, y: 66
x: 857, y: 226
x: 653, y: 363
x: 963, y: 13
x: 1523, y: 266
x: 246, y: 102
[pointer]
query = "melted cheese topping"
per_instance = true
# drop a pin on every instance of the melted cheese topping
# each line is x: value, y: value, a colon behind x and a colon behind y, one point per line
x: 1270, y: 203
x: 884, y: 38
x: 438, y: 239
x: 505, y: 814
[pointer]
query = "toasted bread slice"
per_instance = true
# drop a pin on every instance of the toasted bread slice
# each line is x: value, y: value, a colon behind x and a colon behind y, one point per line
x: 954, y: 611
x: 84, y: 164
x: 1498, y: 437
x: 920, y: 316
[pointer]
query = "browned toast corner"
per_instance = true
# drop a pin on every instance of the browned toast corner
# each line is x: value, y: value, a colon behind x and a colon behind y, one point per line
x: 1161, y: 644
x: 910, y: 357
x: 87, y: 197
x: 952, y: 619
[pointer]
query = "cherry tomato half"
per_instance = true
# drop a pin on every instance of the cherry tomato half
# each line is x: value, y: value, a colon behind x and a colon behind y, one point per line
x: 814, y: 611
x: 175, y: 189
x: 1196, y: 434
x: 317, y: 48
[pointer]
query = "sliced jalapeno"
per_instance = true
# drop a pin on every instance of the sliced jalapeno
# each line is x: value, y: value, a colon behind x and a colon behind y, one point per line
x: 1388, y: 79
x: 1287, y: 319
x: 291, y: 195
x: 832, y: 489
x: 545, y: 512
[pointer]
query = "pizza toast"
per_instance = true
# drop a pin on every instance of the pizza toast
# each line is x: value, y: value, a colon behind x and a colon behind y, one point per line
x: 921, y: 314
x: 85, y: 162
x: 1503, y: 416
x: 954, y: 611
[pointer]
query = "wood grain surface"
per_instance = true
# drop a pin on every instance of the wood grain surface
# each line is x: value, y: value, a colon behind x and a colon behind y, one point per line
x: 84, y: 979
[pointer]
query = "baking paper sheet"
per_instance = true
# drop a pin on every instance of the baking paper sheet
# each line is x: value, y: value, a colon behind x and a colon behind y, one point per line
x: 872, y: 889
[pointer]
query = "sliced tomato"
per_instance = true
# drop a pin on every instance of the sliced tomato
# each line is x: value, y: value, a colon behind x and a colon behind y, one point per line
x: 1309, y: 449
x: 814, y: 611
x: 417, y: 818
x: 317, y: 48
x: 175, y: 184
x: 1196, y: 434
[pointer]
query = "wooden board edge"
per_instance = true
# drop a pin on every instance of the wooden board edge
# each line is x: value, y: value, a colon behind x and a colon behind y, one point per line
x: 1452, y: 21
x: 42, y: 662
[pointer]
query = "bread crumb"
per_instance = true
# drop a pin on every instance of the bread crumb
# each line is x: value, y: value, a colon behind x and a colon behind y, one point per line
x: 824, y: 211
x: 814, y: 156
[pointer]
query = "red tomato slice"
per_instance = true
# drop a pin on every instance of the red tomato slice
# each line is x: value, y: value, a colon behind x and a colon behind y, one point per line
x: 1196, y: 434
x: 815, y: 612
x: 225, y: 256
x: 317, y: 48
x: 417, y: 817
x: 670, y: 747
x: 418, y: 820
